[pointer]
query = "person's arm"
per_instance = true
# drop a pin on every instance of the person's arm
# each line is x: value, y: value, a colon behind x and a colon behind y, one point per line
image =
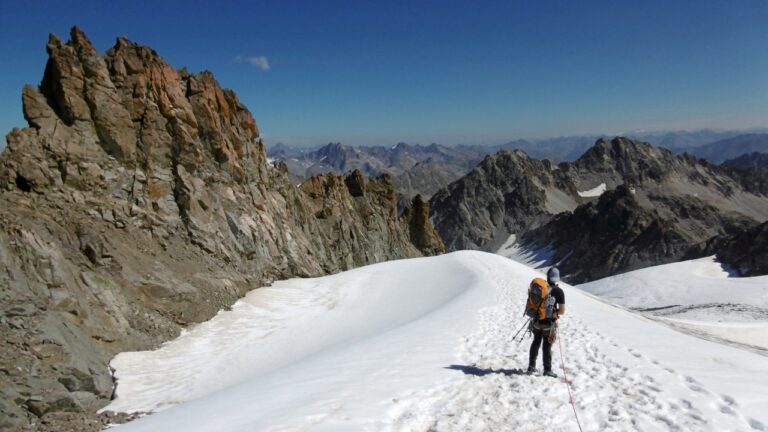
x: 560, y: 303
x: 561, y: 310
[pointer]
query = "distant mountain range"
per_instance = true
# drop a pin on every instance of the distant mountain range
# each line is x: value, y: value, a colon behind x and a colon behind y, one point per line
x: 419, y: 169
x: 730, y: 148
x: 414, y: 169
x: 749, y: 160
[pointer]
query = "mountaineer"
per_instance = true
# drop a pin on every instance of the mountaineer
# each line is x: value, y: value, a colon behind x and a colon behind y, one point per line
x: 546, y: 303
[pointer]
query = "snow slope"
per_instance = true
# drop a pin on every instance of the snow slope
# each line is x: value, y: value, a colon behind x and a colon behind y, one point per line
x: 425, y: 344
x: 699, y: 282
x: 696, y: 296
x: 537, y: 258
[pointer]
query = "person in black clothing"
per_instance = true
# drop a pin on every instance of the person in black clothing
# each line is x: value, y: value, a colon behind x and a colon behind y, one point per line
x: 544, y: 330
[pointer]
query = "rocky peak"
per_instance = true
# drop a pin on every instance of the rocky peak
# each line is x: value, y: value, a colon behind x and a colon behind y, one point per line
x: 335, y: 155
x: 139, y: 201
x: 671, y: 204
x: 508, y: 192
x: 333, y: 149
x: 78, y: 87
x: 139, y: 110
x: 624, y: 160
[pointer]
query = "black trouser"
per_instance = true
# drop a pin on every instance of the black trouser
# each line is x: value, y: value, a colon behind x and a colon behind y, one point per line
x: 539, y: 337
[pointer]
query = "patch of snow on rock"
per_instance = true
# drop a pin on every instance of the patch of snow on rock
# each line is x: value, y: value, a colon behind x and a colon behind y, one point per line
x: 594, y: 192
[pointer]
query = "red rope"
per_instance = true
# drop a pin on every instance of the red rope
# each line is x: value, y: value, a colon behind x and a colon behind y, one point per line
x: 567, y: 383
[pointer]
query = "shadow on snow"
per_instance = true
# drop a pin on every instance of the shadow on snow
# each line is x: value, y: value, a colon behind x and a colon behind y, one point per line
x: 476, y: 371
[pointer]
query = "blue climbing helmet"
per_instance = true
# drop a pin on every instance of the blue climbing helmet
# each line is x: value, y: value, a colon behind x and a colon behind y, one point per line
x: 553, y: 275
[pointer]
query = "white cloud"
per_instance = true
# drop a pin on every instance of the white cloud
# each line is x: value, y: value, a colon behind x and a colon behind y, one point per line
x: 261, y: 62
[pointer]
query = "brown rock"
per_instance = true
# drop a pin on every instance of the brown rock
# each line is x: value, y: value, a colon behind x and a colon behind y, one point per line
x: 139, y: 201
x: 421, y: 231
x: 355, y: 183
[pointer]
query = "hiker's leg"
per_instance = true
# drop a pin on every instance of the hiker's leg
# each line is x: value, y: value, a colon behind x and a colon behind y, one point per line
x: 547, y: 355
x: 537, y: 338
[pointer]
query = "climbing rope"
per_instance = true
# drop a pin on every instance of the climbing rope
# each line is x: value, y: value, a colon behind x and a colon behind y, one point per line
x: 567, y: 383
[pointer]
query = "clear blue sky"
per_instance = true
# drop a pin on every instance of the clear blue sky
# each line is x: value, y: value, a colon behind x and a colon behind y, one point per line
x: 379, y: 72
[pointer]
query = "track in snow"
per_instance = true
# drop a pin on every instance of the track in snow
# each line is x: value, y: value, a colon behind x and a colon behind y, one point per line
x: 614, y: 387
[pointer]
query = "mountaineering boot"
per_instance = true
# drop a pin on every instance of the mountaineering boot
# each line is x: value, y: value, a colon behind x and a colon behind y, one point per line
x: 549, y: 373
x: 531, y: 370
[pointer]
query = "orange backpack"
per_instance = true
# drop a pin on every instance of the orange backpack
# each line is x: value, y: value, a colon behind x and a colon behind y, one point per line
x: 538, y: 307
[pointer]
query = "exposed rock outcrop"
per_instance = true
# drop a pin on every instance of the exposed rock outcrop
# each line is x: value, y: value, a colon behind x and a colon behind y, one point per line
x: 751, y: 170
x: 617, y: 234
x: 506, y: 193
x: 139, y: 200
x: 421, y: 231
x: 746, y: 251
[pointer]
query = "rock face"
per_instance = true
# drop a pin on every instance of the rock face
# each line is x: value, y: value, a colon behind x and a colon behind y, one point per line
x: 139, y: 200
x: 617, y: 234
x: 506, y: 193
x: 746, y: 251
x: 663, y: 207
x: 421, y: 231
x: 751, y: 170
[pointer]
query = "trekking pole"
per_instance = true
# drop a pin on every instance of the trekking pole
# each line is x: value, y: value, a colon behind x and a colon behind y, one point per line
x: 567, y: 383
x: 522, y: 336
x: 521, y: 329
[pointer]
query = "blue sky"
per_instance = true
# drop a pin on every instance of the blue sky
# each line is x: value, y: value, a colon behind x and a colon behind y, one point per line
x: 379, y: 72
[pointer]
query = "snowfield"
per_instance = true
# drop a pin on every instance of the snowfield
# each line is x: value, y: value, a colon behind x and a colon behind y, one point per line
x: 594, y: 192
x: 425, y: 345
x: 696, y: 296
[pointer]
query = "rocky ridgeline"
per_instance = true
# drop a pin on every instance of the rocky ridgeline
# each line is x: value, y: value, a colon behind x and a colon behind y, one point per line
x: 660, y: 207
x: 138, y: 201
x: 509, y: 192
x: 414, y: 169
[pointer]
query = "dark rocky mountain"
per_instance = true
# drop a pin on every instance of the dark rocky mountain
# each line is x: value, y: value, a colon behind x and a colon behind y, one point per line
x: 746, y: 251
x: 139, y: 201
x: 506, y: 193
x: 617, y: 234
x: 748, y: 160
x: 751, y: 170
x: 722, y: 150
x: 662, y: 207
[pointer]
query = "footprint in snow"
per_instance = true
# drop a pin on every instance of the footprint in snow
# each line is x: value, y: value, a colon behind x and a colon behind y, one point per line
x: 727, y: 410
x: 730, y: 401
